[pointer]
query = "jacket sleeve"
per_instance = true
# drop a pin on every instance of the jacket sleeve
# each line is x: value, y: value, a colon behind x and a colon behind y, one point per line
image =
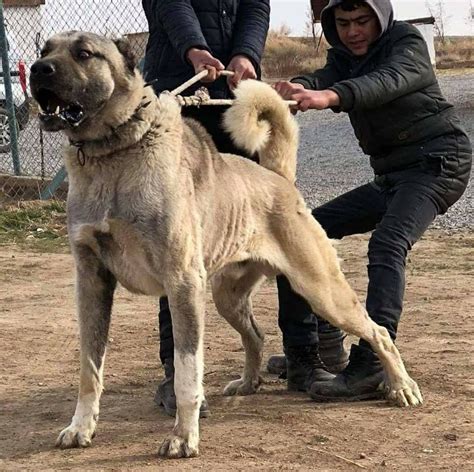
x: 251, y: 28
x: 406, y: 69
x: 320, y: 79
x: 180, y: 22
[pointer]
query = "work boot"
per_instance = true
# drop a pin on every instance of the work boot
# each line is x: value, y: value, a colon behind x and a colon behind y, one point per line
x: 304, y: 367
x: 331, y: 351
x: 165, y: 396
x: 277, y: 365
x: 362, y: 379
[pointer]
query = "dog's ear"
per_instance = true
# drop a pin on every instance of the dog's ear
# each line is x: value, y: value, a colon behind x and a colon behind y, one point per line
x: 125, y: 48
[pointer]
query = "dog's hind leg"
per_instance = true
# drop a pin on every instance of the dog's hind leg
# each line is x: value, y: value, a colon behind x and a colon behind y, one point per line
x: 187, y: 296
x: 313, y: 271
x: 232, y: 290
x: 95, y: 287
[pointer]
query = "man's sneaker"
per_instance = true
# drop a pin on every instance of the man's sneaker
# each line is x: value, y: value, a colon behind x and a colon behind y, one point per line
x: 165, y: 396
x: 362, y: 379
x: 304, y: 367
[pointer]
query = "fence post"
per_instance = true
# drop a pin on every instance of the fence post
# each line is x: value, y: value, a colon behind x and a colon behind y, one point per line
x: 9, y: 94
x: 58, y: 179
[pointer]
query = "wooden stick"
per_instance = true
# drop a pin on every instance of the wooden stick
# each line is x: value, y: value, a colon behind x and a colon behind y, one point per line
x: 189, y: 82
x: 194, y: 100
x: 197, y: 78
x: 336, y: 455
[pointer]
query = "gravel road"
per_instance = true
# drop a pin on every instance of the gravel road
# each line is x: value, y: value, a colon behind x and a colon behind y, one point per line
x: 330, y: 161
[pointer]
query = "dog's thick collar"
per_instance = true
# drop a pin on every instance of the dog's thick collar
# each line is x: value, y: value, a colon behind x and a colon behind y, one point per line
x: 120, y: 137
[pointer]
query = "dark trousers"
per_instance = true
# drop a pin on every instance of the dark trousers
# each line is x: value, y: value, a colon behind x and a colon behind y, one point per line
x: 210, y: 117
x: 399, y: 208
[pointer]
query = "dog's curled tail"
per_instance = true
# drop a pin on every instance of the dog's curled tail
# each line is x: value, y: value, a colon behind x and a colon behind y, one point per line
x: 259, y: 121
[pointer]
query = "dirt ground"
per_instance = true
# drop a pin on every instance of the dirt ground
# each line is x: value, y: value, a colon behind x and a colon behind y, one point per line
x: 272, y: 430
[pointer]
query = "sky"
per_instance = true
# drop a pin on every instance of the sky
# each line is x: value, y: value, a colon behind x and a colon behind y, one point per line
x: 125, y: 16
x: 293, y: 14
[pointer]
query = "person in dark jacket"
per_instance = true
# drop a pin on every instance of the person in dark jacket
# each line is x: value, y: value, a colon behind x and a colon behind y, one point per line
x: 186, y: 37
x: 379, y: 72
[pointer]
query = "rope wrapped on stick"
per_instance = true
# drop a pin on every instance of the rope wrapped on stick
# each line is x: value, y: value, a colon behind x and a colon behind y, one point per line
x: 201, y: 96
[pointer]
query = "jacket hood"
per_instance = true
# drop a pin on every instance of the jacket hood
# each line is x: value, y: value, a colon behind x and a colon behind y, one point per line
x: 382, y: 8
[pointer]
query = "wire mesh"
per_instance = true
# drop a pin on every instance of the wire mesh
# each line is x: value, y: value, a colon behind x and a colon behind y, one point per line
x: 28, y: 25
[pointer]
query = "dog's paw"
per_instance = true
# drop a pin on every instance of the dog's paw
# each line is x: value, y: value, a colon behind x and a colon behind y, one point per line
x: 404, y: 395
x: 241, y: 387
x: 76, y: 435
x: 176, y: 447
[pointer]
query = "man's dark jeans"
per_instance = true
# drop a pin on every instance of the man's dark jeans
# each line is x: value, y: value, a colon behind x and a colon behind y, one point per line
x: 399, y: 207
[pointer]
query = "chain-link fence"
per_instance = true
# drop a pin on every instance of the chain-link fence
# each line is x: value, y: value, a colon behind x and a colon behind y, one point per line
x: 31, y: 166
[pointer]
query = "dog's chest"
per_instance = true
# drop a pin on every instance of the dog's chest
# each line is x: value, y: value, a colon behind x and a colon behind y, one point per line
x: 122, y: 249
x: 117, y: 230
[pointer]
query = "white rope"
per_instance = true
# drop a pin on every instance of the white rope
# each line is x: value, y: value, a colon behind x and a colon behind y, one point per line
x: 195, y: 101
x: 201, y: 96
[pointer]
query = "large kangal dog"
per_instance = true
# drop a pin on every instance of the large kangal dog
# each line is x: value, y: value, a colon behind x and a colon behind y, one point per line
x: 153, y: 205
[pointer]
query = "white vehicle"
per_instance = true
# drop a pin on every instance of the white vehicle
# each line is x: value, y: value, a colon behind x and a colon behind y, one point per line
x: 20, y: 96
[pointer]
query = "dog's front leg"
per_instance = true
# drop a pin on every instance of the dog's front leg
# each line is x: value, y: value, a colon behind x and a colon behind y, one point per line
x: 187, y: 305
x: 95, y: 287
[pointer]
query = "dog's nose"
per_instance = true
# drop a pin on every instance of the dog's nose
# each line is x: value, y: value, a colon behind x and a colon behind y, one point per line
x: 42, y: 67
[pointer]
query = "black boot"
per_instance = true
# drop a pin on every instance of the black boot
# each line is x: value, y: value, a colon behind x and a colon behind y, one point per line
x: 277, y: 365
x: 165, y: 396
x: 332, y: 352
x: 361, y: 380
x: 304, y: 367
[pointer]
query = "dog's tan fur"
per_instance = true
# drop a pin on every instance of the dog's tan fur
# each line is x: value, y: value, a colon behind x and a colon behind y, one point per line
x: 153, y: 205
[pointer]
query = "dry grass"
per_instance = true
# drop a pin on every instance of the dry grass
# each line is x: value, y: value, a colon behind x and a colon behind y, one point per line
x: 286, y: 56
x: 455, y: 52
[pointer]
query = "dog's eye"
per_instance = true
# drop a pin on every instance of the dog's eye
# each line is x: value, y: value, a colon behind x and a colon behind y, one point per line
x: 84, y: 54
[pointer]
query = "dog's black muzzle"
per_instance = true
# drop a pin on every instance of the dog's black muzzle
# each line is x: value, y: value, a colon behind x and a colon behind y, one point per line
x: 55, y: 112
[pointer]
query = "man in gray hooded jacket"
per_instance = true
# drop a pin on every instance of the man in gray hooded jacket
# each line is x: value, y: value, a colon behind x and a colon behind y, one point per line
x: 379, y: 72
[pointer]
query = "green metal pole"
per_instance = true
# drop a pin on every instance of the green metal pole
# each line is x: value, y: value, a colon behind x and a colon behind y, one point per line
x: 58, y: 179
x: 9, y: 94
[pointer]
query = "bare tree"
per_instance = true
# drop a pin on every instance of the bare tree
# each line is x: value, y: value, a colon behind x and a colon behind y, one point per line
x: 471, y: 15
x: 312, y: 28
x: 282, y: 30
x: 438, y: 12
x: 309, y: 23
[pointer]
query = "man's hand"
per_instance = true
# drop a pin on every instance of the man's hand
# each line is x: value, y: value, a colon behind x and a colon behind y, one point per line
x: 287, y: 89
x: 242, y: 68
x: 204, y: 60
x: 307, y: 99
x: 315, y: 99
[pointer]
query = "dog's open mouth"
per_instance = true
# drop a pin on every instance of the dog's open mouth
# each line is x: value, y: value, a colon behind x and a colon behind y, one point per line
x: 52, y: 106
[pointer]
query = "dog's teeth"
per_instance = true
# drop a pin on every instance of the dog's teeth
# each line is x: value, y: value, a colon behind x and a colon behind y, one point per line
x: 56, y: 112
